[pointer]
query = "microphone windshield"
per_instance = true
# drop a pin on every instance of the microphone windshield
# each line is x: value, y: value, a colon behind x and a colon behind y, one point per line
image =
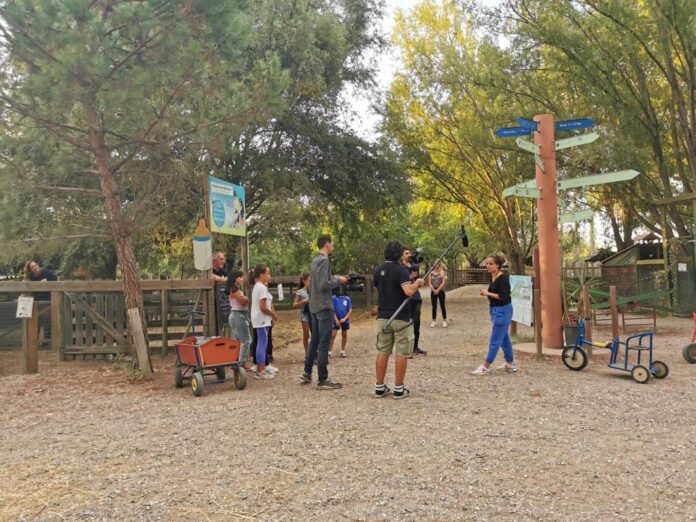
x: 465, y: 239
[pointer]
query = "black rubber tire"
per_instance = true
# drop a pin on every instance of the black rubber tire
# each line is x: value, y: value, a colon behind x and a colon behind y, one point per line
x: 640, y: 374
x: 574, y: 361
x: 689, y: 353
x: 660, y: 370
x: 178, y: 377
x: 240, y: 378
x: 197, y: 384
x: 220, y: 373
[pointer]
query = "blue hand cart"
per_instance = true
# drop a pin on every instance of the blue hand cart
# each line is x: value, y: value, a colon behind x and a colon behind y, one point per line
x: 640, y: 345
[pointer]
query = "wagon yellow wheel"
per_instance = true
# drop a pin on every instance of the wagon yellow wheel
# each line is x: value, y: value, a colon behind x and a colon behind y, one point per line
x: 659, y: 370
x: 197, y: 384
x: 640, y: 374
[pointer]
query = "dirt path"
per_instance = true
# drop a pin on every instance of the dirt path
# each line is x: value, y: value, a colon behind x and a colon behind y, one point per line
x: 544, y: 443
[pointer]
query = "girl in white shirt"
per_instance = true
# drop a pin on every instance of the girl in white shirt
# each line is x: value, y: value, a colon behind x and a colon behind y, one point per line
x: 262, y: 315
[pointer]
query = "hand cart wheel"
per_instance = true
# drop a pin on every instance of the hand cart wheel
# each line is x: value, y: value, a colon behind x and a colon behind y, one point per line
x: 178, y: 377
x: 640, y: 374
x: 574, y: 358
x: 197, y: 384
x: 659, y: 370
x: 240, y: 378
x: 689, y: 353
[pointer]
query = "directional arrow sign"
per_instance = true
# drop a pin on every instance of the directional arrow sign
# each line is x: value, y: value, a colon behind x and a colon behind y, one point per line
x: 522, y: 192
x: 539, y: 162
x: 528, y: 124
x: 581, y: 123
x: 512, y: 131
x: 583, y: 139
x: 570, y: 217
x: 528, y: 146
x: 597, y: 179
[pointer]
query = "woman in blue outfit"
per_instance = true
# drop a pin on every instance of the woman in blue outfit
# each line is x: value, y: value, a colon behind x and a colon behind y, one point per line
x: 500, y: 301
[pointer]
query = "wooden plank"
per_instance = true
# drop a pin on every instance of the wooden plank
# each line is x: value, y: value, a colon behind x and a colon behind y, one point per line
x: 614, y: 313
x: 30, y: 342
x: 683, y: 198
x: 101, y: 321
x: 138, y: 340
x: 57, y: 338
x: 165, y: 322
x: 101, y: 286
x: 95, y: 350
x: 79, y: 323
x: 89, y: 323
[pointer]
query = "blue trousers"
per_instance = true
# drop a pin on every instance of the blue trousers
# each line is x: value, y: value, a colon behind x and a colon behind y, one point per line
x: 321, y: 325
x: 501, y: 317
x: 261, y: 344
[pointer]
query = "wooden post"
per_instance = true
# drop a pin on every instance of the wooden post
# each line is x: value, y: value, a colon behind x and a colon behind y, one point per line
x: 165, y: 322
x: 57, y: 337
x: 587, y: 315
x: 30, y: 342
x: 368, y: 292
x: 537, y: 321
x: 614, y: 313
x: 138, y: 340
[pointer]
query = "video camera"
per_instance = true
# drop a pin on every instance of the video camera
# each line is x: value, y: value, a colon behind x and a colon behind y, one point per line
x: 416, y: 256
x: 356, y: 283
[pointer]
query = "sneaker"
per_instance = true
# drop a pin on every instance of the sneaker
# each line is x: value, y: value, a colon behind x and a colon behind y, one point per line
x: 265, y: 375
x: 382, y: 393
x: 253, y: 368
x: 329, y: 385
x: 305, y: 378
x: 330, y: 353
x: 482, y: 370
x: 432, y: 325
x: 508, y: 367
x: 401, y: 395
x: 418, y: 351
x: 444, y: 324
x: 272, y: 369
x: 344, y: 354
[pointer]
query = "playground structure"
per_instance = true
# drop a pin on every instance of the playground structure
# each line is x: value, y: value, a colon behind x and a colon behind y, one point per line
x: 576, y: 357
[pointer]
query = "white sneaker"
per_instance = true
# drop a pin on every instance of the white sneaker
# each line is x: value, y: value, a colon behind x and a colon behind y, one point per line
x: 444, y: 324
x: 265, y: 375
x: 344, y: 354
x: 254, y: 368
x: 482, y: 370
x: 508, y: 367
x: 272, y: 369
x: 432, y: 325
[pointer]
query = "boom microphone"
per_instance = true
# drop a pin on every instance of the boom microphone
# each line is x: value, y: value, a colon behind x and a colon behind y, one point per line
x: 465, y: 239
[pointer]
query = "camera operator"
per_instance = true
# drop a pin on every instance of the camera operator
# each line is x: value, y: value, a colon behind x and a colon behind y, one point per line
x: 411, y: 261
x: 394, y: 284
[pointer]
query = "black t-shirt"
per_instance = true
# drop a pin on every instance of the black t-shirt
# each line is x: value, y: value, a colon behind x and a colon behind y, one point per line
x: 46, y: 275
x: 500, y: 286
x: 220, y: 273
x: 388, y: 278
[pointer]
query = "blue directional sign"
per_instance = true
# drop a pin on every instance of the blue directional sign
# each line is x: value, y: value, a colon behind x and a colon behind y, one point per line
x: 528, y: 124
x: 509, y: 132
x: 581, y: 123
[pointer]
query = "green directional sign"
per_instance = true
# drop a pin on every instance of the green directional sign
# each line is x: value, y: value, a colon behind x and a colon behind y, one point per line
x: 523, y: 192
x: 571, y: 217
x: 528, y: 146
x: 597, y: 179
x: 582, y: 139
x: 539, y: 162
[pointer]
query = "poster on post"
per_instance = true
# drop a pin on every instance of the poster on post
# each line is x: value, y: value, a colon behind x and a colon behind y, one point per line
x: 227, y: 205
x: 522, y: 294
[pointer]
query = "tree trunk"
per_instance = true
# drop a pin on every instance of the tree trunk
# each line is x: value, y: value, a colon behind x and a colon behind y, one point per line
x: 132, y: 291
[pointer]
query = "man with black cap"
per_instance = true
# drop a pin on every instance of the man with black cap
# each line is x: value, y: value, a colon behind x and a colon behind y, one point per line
x: 416, y: 301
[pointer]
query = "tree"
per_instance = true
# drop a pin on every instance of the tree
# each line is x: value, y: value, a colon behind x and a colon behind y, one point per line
x: 111, y: 81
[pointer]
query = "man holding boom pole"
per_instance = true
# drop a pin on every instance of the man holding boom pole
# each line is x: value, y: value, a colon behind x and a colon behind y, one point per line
x: 393, y: 283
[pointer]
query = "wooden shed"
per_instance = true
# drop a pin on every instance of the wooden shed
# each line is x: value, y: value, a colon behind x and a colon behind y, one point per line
x: 632, y: 270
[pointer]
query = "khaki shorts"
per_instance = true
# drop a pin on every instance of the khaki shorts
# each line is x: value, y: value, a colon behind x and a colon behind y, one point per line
x: 398, y: 337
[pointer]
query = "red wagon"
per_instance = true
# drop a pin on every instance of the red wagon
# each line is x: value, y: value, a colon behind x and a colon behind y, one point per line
x: 199, y: 357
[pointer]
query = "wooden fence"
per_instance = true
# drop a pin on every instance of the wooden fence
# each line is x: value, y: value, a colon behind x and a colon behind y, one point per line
x: 88, y: 318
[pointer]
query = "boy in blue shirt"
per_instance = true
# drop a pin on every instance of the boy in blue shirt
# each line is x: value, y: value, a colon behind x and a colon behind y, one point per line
x: 343, y: 308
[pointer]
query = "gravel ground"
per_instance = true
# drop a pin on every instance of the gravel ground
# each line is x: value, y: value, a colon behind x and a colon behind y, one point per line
x: 546, y: 443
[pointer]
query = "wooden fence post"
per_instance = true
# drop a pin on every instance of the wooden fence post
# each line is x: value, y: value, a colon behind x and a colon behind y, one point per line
x: 165, y: 321
x: 614, y: 313
x: 57, y: 337
x: 368, y: 292
x: 30, y: 342
x: 587, y: 316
